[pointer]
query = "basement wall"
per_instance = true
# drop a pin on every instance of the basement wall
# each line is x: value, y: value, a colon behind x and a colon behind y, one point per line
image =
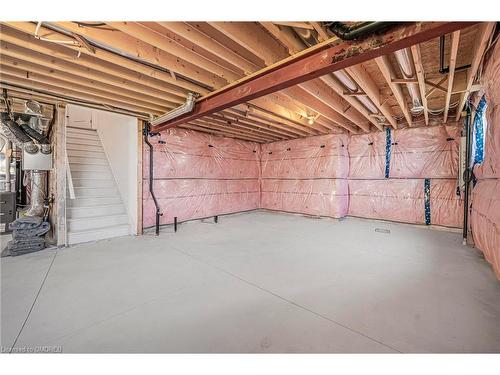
x: 485, y: 206
x: 307, y: 176
x: 407, y: 175
x: 197, y: 175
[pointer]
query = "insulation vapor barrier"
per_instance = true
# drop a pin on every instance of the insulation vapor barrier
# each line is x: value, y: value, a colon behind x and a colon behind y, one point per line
x: 197, y: 175
x: 306, y: 176
x: 485, y: 202
x: 407, y: 201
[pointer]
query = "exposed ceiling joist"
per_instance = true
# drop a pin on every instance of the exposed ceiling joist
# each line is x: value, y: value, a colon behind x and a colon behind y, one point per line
x: 199, y: 38
x: 217, y: 132
x: 254, y: 39
x: 315, y: 64
x: 170, y: 46
x: 320, y: 107
x: 480, y: 47
x: 27, y: 59
x: 417, y: 60
x: 144, y: 51
x: 385, y: 67
x: 365, y: 81
x: 455, y: 40
x: 285, y: 36
x: 322, y: 34
x: 64, y: 91
x: 44, y: 75
x: 21, y: 34
x: 325, y: 93
x: 337, y: 87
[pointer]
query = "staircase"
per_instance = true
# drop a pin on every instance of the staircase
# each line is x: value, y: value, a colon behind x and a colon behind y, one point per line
x: 97, y: 212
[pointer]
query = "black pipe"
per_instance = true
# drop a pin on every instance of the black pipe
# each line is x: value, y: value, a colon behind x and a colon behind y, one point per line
x: 175, y: 223
x: 467, y: 172
x: 442, y: 69
x: 146, y: 133
x: 346, y: 32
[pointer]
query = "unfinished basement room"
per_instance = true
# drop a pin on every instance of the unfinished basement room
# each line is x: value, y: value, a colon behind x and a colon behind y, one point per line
x: 250, y: 187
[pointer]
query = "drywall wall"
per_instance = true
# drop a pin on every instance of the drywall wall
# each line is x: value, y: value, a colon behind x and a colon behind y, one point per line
x: 485, y: 200
x: 119, y: 138
x: 197, y: 175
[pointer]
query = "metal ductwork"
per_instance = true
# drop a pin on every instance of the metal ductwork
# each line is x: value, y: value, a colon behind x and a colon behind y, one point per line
x: 37, y: 198
x: 404, y: 59
x: 309, y: 37
x: 176, y: 112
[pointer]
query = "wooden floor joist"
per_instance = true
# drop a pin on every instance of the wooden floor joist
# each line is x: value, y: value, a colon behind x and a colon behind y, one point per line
x: 385, y: 67
x: 455, y: 40
x: 480, y: 45
x: 318, y: 63
x: 22, y: 34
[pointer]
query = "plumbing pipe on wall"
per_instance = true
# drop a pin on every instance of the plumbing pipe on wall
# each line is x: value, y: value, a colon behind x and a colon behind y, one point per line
x: 147, y: 133
x: 467, y: 172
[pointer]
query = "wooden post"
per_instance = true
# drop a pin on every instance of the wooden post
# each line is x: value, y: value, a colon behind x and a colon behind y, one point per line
x: 139, y: 176
x: 59, y: 206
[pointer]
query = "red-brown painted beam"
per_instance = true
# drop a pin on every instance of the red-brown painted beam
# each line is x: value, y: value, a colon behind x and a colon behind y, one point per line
x: 306, y: 67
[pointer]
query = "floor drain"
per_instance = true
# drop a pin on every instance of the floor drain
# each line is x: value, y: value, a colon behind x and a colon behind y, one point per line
x: 381, y: 230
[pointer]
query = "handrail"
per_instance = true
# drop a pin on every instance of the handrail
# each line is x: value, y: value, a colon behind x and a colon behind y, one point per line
x: 70, y: 179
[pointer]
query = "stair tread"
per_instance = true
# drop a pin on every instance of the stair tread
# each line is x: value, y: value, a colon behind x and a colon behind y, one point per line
x: 121, y: 226
x: 121, y: 216
x: 92, y: 178
x: 79, y: 128
x: 99, y: 205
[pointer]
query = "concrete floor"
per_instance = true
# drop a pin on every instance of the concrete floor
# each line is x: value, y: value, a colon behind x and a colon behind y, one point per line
x: 256, y: 282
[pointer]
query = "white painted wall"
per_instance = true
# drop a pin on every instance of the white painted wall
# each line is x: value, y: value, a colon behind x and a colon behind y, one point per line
x: 119, y: 137
x: 79, y: 117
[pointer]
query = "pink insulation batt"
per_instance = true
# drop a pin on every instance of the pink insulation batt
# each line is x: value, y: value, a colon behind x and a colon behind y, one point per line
x: 403, y: 200
x: 306, y: 176
x: 322, y: 156
x: 367, y: 156
x: 198, y: 175
x: 426, y: 152
x: 485, y: 206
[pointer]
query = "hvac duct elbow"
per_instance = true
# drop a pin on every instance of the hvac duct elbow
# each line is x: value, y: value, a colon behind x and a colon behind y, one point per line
x: 37, y: 194
x: 176, y: 112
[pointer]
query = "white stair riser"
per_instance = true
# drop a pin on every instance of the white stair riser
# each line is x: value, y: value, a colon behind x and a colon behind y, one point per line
x: 78, y: 167
x: 105, y: 174
x: 92, y: 201
x: 83, y: 141
x: 75, y: 130
x: 87, y: 161
x: 94, y: 235
x: 92, y: 148
x: 96, y: 222
x: 81, y: 192
x: 89, y: 137
x: 93, y: 183
x: 82, y: 212
x: 86, y: 154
